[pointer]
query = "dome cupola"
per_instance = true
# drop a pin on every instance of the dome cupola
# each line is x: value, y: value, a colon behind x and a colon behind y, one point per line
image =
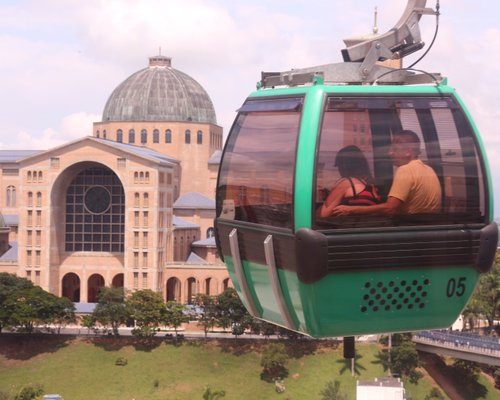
x: 159, y: 93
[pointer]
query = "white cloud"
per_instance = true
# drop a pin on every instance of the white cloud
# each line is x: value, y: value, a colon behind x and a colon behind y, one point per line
x: 78, y: 124
x: 72, y: 127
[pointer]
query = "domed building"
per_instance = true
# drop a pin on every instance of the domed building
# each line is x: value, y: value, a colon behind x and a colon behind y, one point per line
x: 130, y: 206
x: 166, y: 110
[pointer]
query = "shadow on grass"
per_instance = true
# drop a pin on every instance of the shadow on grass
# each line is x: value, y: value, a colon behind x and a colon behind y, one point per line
x: 113, y: 343
x: 276, y: 373
x: 239, y: 347
x: 382, y: 358
x: 347, y: 365
x: 25, y: 346
x: 301, y: 348
x: 295, y: 348
x: 467, y: 385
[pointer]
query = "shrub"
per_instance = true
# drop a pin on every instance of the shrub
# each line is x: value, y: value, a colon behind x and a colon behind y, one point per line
x: 29, y: 392
x: 121, y: 361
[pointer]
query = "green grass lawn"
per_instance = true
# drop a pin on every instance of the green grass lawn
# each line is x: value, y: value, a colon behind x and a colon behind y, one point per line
x: 85, y: 369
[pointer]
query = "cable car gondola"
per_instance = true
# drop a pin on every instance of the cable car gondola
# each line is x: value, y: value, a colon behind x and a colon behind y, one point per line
x: 344, y: 276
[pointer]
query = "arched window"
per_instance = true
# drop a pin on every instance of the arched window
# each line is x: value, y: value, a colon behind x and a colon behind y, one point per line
x: 144, y: 136
x: 38, y: 199
x: 210, y: 232
x: 97, y: 134
x: 199, y: 137
x: 168, y: 136
x: 95, y: 226
x: 131, y: 136
x: 156, y: 136
x: 119, y: 136
x: 104, y: 134
x: 136, y: 200
x: 187, y: 136
x: 30, y: 199
x: 11, y: 196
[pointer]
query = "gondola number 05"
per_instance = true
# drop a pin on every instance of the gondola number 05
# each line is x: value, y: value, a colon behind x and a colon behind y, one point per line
x: 456, y: 287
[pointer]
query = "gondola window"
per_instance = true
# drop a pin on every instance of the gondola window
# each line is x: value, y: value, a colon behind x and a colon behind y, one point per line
x: 448, y: 145
x: 256, y: 181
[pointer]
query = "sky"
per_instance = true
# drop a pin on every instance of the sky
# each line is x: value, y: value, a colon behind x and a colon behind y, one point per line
x: 61, y: 59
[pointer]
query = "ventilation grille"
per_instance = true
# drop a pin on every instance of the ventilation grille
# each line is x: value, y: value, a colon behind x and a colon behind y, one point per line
x: 395, y: 295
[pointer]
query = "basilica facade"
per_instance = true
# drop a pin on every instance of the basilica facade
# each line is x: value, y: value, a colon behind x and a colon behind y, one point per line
x: 130, y: 206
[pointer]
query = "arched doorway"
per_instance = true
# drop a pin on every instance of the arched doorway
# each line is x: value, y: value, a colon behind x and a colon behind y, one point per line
x: 95, y: 284
x: 208, y: 283
x: 191, y: 290
x: 118, y: 281
x: 173, y: 289
x: 71, y: 287
x: 225, y: 284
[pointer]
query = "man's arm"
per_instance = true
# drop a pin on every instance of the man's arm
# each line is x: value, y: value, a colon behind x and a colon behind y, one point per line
x: 390, y: 207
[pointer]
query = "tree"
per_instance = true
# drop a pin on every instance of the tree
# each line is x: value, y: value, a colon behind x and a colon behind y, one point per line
x: 208, y: 316
x: 332, y: 392
x: 405, y: 360
x: 472, y: 312
x: 488, y: 293
x: 148, y: 310
x: 111, y: 308
x: 485, y: 302
x: 63, y: 312
x: 88, y: 321
x: 273, y: 360
x: 496, y: 376
x: 231, y: 312
x: 267, y: 329
x: 174, y: 315
x: 9, y: 283
x: 465, y: 370
x: 30, y: 307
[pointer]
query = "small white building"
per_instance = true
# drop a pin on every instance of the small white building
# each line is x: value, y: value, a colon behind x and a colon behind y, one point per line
x: 458, y: 325
x: 380, y: 389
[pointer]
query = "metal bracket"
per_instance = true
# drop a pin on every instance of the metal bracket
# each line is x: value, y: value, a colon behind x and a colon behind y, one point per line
x: 276, y: 285
x: 403, y: 39
x: 240, y: 274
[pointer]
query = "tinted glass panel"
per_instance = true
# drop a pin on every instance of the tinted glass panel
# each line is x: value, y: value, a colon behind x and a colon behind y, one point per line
x: 447, y: 145
x: 256, y: 177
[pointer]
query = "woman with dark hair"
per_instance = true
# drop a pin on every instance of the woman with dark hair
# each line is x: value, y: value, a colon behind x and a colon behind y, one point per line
x: 355, y: 187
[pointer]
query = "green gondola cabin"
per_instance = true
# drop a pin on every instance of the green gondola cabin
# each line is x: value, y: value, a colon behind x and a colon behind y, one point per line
x: 351, y: 275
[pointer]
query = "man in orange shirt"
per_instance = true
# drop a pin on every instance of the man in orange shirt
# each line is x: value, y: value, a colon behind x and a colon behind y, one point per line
x: 415, y: 188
